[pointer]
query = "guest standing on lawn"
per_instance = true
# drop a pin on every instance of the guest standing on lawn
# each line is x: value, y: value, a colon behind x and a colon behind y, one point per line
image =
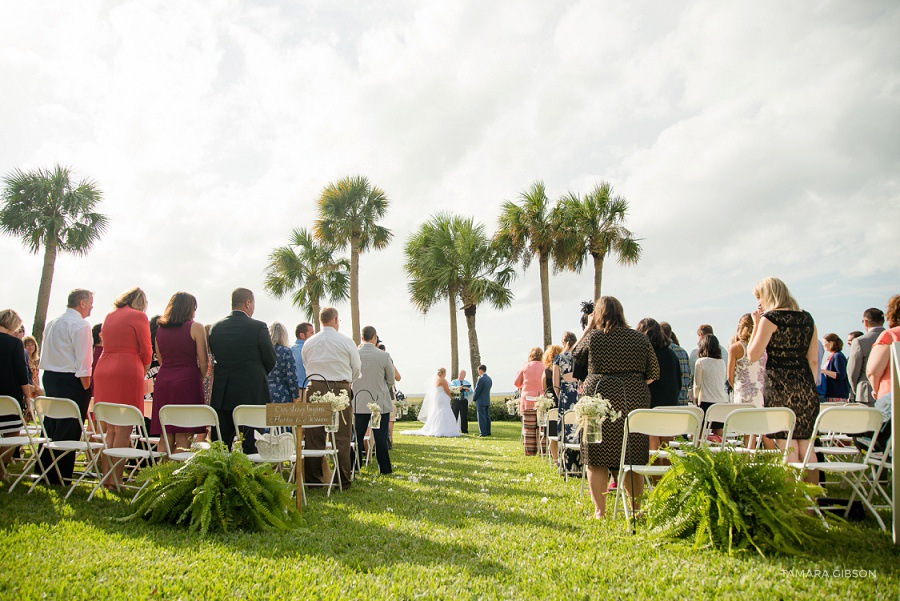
x: 788, y: 337
x: 120, y: 371
x: 283, y: 385
x: 748, y: 379
x: 837, y: 384
x: 663, y: 391
x: 13, y: 375
x: 620, y: 364
x: 183, y: 355
x: 567, y: 385
x: 530, y: 382
x: 244, y: 356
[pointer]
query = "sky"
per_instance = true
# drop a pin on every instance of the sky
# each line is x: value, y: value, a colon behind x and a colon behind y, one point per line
x: 749, y: 138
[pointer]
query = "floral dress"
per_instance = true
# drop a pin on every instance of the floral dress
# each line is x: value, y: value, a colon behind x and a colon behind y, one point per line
x: 283, y: 384
x: 749, y: 379
x: 567, y: 399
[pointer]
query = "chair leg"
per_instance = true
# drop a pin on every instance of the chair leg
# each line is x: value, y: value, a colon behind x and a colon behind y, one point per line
x: 102, y: 480
x: 43, y: 474
x: 92, y: 464
x: 854, y: 484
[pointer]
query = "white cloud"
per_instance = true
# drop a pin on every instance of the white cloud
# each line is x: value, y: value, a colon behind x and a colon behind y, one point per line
x: 750, y: 139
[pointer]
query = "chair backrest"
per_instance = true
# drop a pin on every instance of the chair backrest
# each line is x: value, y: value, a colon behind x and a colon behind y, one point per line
x: 569, y: 418
x: 662, y: 422
x: 118, y: 415
x: 719, y: 411
x: 849, y: 420
x: 553, y: 415
x: 188, y: 416
x: 760, y: 420
x: 10, y: 406
x: 57, y: 408
x: 253, y: 416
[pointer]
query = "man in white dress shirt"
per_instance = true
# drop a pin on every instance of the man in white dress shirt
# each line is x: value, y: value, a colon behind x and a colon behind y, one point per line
x: 332, y: 363
x: 66, y: 360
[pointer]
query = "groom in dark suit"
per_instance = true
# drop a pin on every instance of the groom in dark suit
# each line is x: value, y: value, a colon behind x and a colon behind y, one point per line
x: 482, y: 398
x: 244, y: 356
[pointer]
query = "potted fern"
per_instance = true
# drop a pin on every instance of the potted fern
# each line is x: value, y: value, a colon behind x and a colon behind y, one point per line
x: 216, y: 490
x: 734, y: 502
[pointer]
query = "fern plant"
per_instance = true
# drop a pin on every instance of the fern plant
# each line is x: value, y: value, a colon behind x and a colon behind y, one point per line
x: 734, y: 502
x: 216, y: 490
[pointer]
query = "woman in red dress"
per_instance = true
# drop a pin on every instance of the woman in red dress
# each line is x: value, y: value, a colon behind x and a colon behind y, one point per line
x: 119, y: 377
x: 183, y: 357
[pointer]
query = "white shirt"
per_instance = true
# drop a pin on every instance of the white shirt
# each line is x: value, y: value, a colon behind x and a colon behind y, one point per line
x: 331, y: 355
x: 67, y: 345
x: 709, y: 380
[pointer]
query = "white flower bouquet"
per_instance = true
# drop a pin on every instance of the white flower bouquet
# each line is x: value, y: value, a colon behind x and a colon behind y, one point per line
x: 545, y: 403
x: 591, y: 412
x: 455, y: 391
x: 338, y: 401
x: 402, y: 406
x: 512, y: 406
x: 376, y: 415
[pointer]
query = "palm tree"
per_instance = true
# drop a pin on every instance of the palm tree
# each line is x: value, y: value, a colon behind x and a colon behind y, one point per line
x: 309, y: 270
x: 45, y: 209
x: 450, y: 257
x: 529, y: 229
x: 594, y: 225
x: 348, y: 211
x: 432, y: 266
x: 484, y: 275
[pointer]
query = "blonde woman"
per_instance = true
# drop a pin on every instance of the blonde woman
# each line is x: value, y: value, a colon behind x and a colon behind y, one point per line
x: 34, y: 359
x: 13, y: 373
x: 788, y: 337
x: 119, y: 377
x: 283, y: 385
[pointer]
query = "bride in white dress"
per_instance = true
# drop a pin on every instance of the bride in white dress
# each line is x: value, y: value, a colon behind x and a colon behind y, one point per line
x: 436, y: 413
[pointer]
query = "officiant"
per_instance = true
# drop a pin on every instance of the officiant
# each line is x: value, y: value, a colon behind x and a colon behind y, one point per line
x: 460, y: 404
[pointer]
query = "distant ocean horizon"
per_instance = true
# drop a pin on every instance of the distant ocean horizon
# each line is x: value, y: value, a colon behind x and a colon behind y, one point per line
x: 421, y: 395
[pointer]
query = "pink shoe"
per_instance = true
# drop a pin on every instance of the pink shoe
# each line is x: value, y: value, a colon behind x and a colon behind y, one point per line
x: 612, y: 486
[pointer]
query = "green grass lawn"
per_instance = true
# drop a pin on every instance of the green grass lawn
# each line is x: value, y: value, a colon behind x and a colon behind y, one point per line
x: 459, y: 518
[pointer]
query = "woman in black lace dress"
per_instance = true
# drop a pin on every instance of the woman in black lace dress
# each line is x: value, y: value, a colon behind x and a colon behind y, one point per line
x: 788, y: 336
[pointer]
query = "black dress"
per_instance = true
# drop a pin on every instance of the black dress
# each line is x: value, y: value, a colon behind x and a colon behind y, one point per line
x: 619, y: 363
x: 664, y: 391
x: 789, y: 382
x: 13, y: 375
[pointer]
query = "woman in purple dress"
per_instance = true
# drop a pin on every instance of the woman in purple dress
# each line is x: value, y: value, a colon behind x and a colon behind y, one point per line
x: 183, y: 357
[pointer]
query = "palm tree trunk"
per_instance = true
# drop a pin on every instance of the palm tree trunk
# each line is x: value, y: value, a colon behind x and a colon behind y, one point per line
x: 474, y: 353
x: 598, y: 274
x: 43, y: 300
x: 454, y: 339
x: 354, y: 287
x: 316, y: 309
x: 544, y: 261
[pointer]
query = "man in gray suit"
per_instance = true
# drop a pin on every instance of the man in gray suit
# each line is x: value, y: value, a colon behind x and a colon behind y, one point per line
x: 378, y: 377
x: 873, y: 320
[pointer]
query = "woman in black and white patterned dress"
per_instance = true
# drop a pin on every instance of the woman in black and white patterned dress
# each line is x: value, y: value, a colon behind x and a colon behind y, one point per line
x: 620, y: 363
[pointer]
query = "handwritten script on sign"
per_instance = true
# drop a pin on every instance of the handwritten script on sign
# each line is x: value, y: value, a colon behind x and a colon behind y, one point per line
x: 298, y: 414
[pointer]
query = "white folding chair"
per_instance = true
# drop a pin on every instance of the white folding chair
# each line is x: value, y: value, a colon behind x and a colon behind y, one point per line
x: 551, y: 416
x: 115, y: 414
x: 8, y: 444
x: 186, y: 416
x: 880, y: 463
x: 676, y: 445
x: 569, y: 419
x: 329, y: 452
x: 254, y: 416
x: 717, y: 413
x: 845, y: 420
x: 56, y: 408
x: 651, y: 422
x: 760, y: 421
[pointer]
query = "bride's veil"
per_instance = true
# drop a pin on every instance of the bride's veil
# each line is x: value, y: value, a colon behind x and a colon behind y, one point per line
x: 430, y: 401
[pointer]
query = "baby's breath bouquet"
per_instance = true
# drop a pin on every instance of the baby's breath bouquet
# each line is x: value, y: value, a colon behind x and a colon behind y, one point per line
x: 338, y: 402
x: 402, y: 406
x: 544, y: 403
x: 455, y: 391
x: 376, y: 415
x: 512, y: 406
x: 591, y: 412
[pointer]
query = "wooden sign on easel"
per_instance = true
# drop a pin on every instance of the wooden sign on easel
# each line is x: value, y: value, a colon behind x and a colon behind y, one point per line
x: 297, y: 415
